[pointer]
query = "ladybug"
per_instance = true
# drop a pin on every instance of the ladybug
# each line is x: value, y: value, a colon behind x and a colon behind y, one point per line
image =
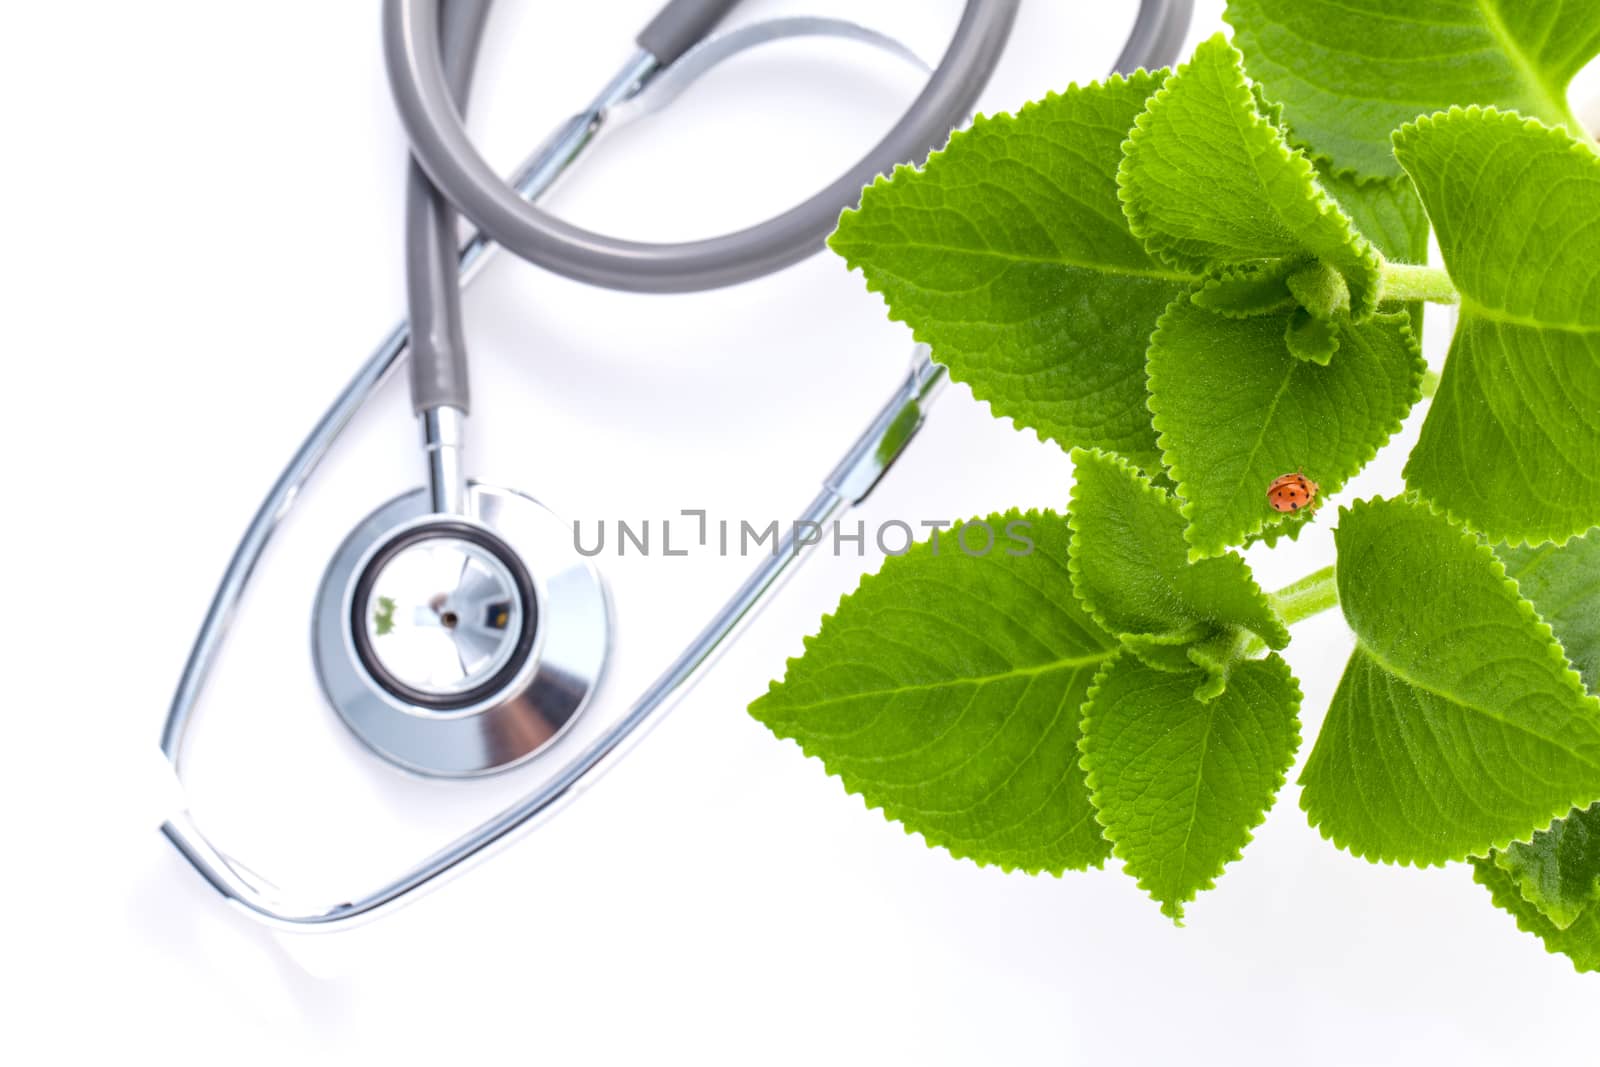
x: 1291, y: 492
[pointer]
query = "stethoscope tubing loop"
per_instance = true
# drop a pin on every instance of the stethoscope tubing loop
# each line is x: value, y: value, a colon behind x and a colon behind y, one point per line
x: 421, y: 86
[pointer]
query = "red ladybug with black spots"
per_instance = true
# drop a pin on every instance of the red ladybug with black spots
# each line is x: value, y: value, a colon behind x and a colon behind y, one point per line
x: 1292, y: 492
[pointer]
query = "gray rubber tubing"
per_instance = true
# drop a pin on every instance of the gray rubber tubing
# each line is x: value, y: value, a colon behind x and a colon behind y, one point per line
x: 433, y: 281
x: 421, y: 89
x: 431, y: 49
x: 1157, y: 35
x: 679, y: 26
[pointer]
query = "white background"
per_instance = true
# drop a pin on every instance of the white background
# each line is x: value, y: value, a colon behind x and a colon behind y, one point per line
x: 203, y: 205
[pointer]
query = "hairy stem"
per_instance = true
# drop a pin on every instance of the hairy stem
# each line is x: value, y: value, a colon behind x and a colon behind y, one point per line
x: 1403, y: 281
x: 1308, y: 596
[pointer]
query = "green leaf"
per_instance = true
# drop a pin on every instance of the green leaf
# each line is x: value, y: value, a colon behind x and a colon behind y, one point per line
x: 1347, y: 72
x: 946, y: 690
x: 1309, y: 338
x: 1459, y: 725
x: 1179, y: 783
x: 1251, y: 289
x: 1207, y: 180
x: 1008, y: 253
x: 1563, y: 581
x: 1320, y: 290
x: 1235, y: 409
x: 1130, y: 569
x: 1388, y: 213
x: 1512, y: 443
x: 1580, y: 941
x: 1558, y: 871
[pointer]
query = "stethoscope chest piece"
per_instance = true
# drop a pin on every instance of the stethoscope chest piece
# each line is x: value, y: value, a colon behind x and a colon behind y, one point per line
x: 457, y: 645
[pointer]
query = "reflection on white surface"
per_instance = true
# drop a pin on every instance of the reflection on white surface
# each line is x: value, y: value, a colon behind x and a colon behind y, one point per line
x: 443, y: 615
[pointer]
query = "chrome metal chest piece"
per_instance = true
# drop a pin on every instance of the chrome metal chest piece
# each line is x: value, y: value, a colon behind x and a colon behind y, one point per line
x: 442, y: 649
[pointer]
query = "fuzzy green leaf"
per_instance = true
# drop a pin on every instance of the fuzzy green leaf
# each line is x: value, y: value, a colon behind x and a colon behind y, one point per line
x: 1235, y: 409
x: 1388, y: 213
x: 1348, y: 72
x: 1579, y: 942
x: 1310, y: 339
x: 1179, y: 784
x: 1251, y: 289
x: 1130, y: 568
x: 946, y: 690
x: 1458, y: 725
x: 1558, y: 871
x: 1512, y: 443
x: 1563, y: 581
x: 1207, y: 180
x: 1009, y: 254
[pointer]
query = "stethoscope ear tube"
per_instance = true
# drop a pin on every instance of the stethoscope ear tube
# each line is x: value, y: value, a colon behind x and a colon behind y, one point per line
x: 681, y: 25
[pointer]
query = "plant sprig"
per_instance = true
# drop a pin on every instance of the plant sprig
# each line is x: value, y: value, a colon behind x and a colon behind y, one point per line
x: 1198, y: 282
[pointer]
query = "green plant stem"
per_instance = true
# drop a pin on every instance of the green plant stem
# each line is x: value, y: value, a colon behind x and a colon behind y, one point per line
x: 1405, y: 282
x: 1295, y: 602
x: 1429, y: 384
x: 1308, y: 596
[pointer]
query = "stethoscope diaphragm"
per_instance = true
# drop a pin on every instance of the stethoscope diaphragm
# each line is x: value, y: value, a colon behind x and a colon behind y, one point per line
x: 457, y: 645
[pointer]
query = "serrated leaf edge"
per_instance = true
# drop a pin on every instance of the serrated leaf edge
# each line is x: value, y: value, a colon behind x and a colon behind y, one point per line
x: 1351, y: 173
x: 1234, y: 272
x: 1167, y: 499
x: 1558, y: 534
x: 1091, y: 777
x: 1502, y: 896
x: 1290, y: 525
x: 1520, y: 884
x: 894, y: 814
x: 1490, y: 113
x: 1361, y: 306
x: 979, y: 392
x: 1553, y: 651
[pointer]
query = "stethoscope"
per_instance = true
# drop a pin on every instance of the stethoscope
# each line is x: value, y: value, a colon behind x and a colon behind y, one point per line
x: 456, y: 631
